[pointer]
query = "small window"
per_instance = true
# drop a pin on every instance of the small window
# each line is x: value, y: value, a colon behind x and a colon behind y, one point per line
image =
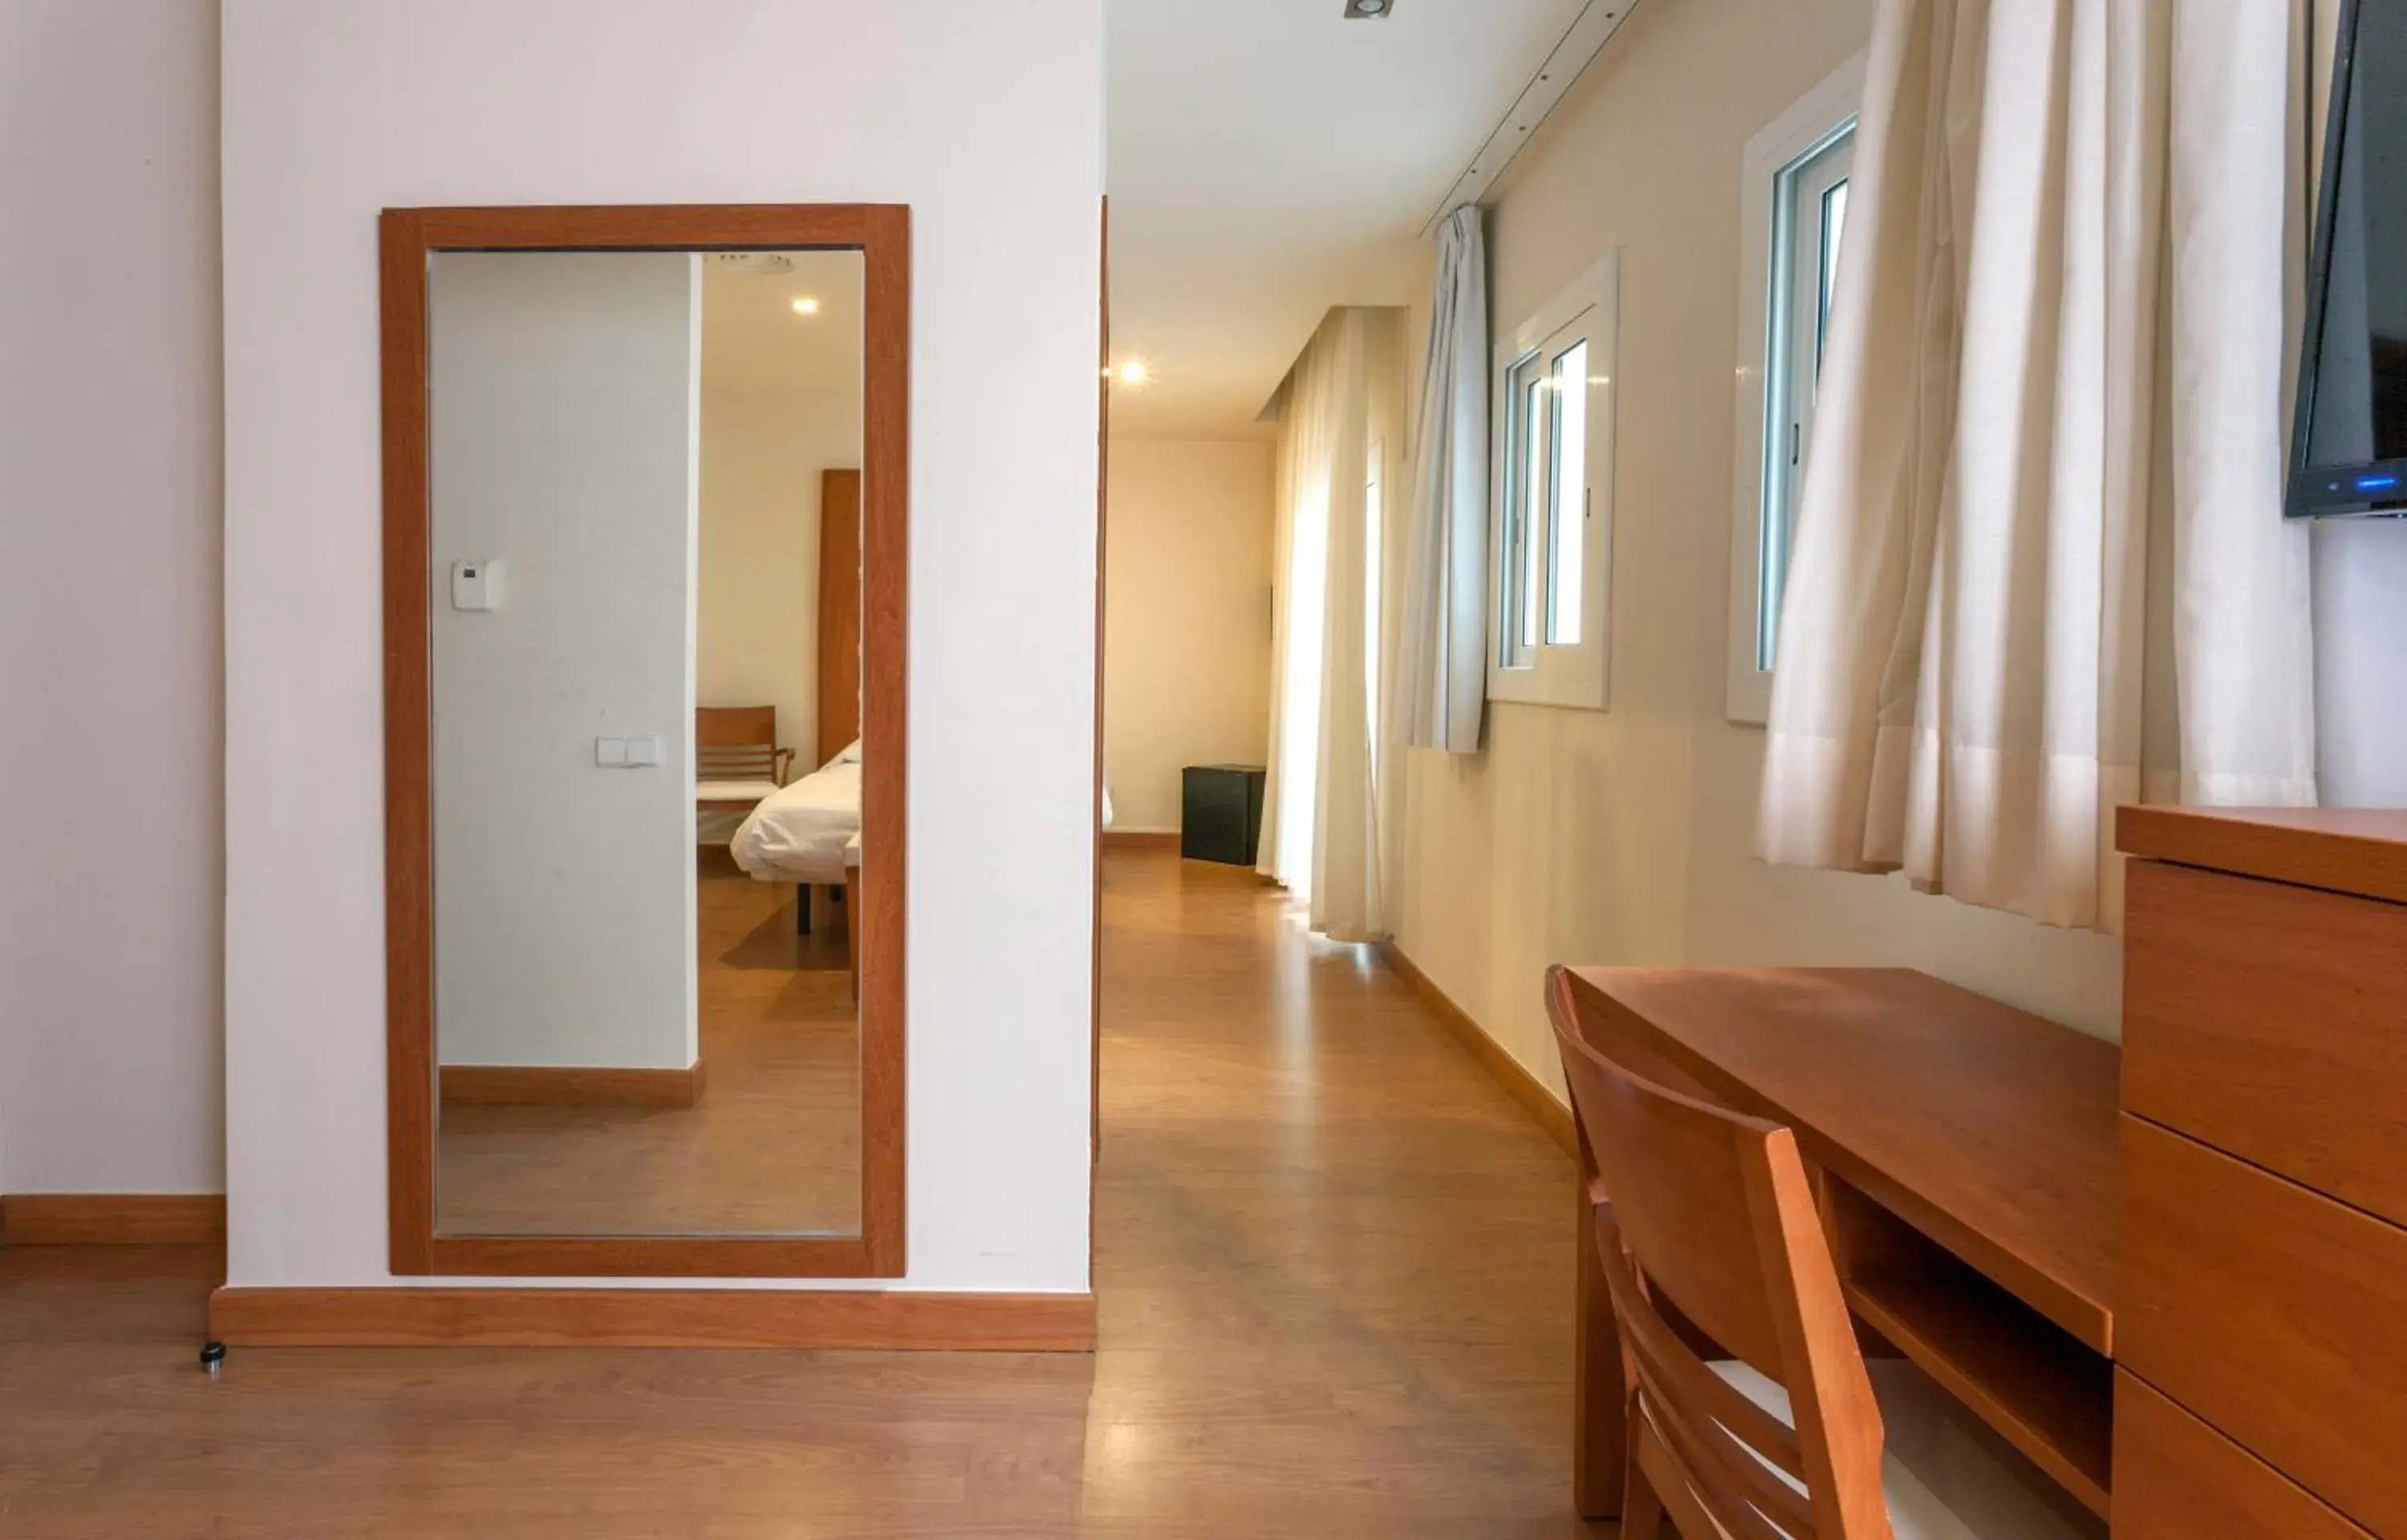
x: 1554, y: 420
x: 1797, y: 173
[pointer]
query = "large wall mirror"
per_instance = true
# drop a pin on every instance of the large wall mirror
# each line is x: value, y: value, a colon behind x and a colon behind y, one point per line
x: 646, y: 530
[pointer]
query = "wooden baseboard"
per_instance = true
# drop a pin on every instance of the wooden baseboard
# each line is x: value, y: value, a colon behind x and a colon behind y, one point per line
x: 1141, y: 839
x: 652, y: 1318
x: 112, y: 1218
x: 1518, y: 1083
x: 547, y: 1085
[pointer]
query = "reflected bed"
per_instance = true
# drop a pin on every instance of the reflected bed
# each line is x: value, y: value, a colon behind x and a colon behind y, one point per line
x: 798, y: 834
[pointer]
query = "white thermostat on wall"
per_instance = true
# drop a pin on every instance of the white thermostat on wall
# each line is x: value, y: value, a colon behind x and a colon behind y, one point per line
x: 477, y: 583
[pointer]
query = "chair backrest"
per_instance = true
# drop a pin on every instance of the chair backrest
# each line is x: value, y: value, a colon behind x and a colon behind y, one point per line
x: 1711, y: 1210
x: 735, y: 742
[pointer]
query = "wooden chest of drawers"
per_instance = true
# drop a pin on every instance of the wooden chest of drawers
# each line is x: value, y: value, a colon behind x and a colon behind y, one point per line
x: 2261, y: 1294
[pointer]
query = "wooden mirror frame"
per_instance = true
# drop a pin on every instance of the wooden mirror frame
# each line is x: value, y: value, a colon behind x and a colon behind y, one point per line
x: 409, y: 237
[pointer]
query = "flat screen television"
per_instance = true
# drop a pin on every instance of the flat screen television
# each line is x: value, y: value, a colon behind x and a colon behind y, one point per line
x: 2349, y: 451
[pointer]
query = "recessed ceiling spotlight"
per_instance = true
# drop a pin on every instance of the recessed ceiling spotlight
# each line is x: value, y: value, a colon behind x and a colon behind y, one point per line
x: 1134, y: 372
x: 1368, y: 10
x: 805, y: 305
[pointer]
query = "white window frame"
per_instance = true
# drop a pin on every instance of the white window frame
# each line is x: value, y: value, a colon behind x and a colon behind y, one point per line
x: 1797, y: 134
x: 1572, y: 674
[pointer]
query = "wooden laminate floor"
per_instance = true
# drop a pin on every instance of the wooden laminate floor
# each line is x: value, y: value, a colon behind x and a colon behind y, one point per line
x: 772, y: 1148
x: 1333, y: 1269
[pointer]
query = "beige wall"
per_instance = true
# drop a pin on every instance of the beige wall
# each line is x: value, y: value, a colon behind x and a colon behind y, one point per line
x: 1624, y: 837
x: 112, y: 917
x: 1186, y: 628
x: 757, y: 617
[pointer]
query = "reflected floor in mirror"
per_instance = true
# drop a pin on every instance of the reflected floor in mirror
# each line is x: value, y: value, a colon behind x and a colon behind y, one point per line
x: 772, y: 1144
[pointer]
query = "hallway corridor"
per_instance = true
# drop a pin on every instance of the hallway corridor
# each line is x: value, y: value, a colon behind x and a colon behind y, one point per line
x: 1333, y: 1265
x: 1333, y: 1259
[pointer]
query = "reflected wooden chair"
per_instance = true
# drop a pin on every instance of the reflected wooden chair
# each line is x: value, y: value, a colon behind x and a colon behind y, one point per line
x: 1713, y: 1223
x: 736, y: 760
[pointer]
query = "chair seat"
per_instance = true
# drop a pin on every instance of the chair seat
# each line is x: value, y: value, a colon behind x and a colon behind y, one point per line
x: 733, y: 791
x: 1946, y: 1476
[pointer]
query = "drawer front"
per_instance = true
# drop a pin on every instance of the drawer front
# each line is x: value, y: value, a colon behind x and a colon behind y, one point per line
x: 2273, y: 1313
x: 2177, y: 1478
x: 2271, y: 1022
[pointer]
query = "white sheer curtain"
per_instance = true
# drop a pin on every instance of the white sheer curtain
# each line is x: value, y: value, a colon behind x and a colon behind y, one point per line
x: 1441, y: 677
x: 1323, y: 806
x: 2041, y: 568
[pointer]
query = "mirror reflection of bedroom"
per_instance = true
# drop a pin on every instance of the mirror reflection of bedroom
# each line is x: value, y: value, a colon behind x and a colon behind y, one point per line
x: 647, y: 663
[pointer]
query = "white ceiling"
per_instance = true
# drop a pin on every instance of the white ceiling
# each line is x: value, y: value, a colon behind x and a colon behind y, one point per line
x: 1269, y: 159
x: 753, y: 341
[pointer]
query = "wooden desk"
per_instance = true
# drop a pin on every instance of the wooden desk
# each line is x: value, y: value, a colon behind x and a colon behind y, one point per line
x: 1966, y: 1161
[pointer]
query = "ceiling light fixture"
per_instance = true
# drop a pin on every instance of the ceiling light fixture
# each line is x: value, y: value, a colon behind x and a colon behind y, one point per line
x: 805, y: 305
x: 1135, y: 373
x: 1368, y: 10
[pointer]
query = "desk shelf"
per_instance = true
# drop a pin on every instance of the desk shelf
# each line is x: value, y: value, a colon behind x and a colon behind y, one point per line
x: 1965, y: 1153
x: 2028, y: 1378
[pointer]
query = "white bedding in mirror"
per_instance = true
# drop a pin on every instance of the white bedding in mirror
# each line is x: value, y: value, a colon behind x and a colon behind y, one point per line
x: 798, y: 834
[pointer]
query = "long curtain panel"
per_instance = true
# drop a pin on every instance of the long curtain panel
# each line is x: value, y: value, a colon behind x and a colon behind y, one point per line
x: 1322, y: 810
x: 2041, y: 569
x: 1441, y: 677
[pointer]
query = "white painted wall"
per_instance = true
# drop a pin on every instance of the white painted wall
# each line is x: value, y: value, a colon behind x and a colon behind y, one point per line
x: 1187, y: 617
x: 564, y: 420
x: 987, y: 121
x: 2361, y: 663
x: 762, y: 453
x: 110, y: 828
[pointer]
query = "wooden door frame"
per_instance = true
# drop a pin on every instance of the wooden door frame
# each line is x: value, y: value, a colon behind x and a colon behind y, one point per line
x: 408, y: 238
x: 838, y: 663
x: 1103, y: 508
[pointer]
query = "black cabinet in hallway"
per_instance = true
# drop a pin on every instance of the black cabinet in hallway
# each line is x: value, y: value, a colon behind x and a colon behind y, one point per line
x: 1220, y: 813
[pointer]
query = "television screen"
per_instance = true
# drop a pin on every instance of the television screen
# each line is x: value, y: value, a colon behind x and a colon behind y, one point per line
x: 2349, y: 451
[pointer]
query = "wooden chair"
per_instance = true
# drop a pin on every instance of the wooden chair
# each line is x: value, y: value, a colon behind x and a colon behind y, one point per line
x: 1713, y: 1220
x: 736, y: 760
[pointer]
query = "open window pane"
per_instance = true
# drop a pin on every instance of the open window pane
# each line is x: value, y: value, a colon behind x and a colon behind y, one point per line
x: 1534, y: 484
x: 1567, y: 496
x: 1835, y: 225
x: 1522, y: 554
x: 1809, y: 213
